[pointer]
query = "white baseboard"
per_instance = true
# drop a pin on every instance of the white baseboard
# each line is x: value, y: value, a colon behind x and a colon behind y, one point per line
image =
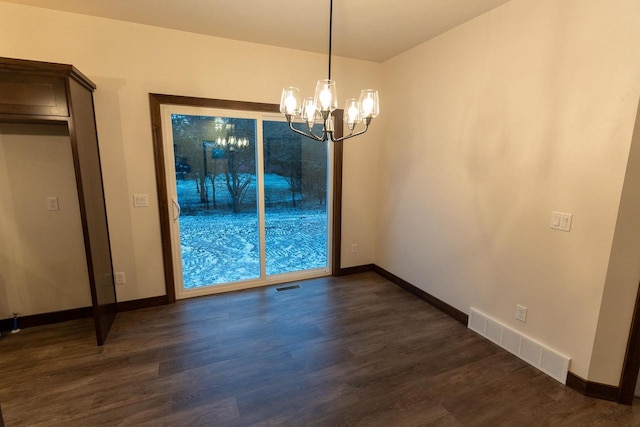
x: 547, y: 360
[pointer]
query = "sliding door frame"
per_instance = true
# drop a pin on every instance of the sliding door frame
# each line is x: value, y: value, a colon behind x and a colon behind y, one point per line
x: 155, y: 102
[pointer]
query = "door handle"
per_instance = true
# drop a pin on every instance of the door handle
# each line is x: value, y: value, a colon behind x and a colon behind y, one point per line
x: 177, y: 206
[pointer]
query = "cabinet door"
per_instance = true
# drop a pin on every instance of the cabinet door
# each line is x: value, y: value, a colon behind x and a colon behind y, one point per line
x: 32, y: 94
x: 91, y: 192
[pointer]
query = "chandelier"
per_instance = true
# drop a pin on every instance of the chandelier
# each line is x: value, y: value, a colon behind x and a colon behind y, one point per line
x: 320, y: 108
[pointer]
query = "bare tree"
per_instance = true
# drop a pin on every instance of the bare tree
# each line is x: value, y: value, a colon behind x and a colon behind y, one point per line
x: 237, y: 182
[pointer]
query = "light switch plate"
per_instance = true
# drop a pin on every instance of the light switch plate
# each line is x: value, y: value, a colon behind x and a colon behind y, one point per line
x: 52, y: 204
x: 140, y: 200
x: 561, y: 221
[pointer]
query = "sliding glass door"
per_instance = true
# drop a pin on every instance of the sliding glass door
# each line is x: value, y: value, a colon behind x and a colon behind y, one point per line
x: 249, y: 200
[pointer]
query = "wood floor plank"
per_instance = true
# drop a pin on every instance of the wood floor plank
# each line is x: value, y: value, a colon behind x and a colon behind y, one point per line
x: 353, y: 351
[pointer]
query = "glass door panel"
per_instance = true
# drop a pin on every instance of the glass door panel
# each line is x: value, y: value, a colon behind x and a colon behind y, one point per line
x: 215, y: 176
x: 295, y: 195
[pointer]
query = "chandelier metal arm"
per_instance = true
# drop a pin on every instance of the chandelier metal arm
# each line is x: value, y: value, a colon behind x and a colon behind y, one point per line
x: 308, y: 134
x: 351, y: 135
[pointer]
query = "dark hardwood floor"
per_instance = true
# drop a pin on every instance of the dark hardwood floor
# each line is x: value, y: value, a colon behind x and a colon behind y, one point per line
x: 354, y: 350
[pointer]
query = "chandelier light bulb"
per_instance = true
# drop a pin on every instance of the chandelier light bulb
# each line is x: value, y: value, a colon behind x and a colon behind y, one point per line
x: 309, y: 111
x: 291, y: 104
x: 352, y: 113
x: 325, y: 99
x: 367, y: 106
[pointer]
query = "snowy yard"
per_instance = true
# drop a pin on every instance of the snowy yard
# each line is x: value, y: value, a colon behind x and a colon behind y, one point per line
x: 219, y: 246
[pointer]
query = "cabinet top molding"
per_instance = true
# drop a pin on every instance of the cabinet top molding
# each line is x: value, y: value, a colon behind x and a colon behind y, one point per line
x: 46, y: 68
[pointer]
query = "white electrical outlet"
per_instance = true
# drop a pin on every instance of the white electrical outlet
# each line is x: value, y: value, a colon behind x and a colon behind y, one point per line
x: 52, y: 204
x: 521, y: 313
x: 354, y: 248
x: 120, y: 278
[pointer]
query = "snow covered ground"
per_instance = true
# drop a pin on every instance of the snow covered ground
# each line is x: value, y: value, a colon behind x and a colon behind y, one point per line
x: 219, y: 246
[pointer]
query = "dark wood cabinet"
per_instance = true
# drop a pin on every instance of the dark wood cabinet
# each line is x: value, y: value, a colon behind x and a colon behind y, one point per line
x: 41, y: 92
x: 33, y: 94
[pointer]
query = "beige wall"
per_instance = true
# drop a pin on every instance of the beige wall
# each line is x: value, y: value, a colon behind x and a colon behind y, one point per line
x: 128, y: 61
x: 41, y: 252
x: 525, y: 110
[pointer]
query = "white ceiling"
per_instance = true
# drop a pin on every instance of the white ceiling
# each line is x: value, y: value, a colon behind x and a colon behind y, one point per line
x: 374, y: 30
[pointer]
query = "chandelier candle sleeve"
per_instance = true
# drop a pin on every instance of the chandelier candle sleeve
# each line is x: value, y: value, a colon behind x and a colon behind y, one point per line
x: 290, y: 101
x: 326, y: 98
x: 369, y: 104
